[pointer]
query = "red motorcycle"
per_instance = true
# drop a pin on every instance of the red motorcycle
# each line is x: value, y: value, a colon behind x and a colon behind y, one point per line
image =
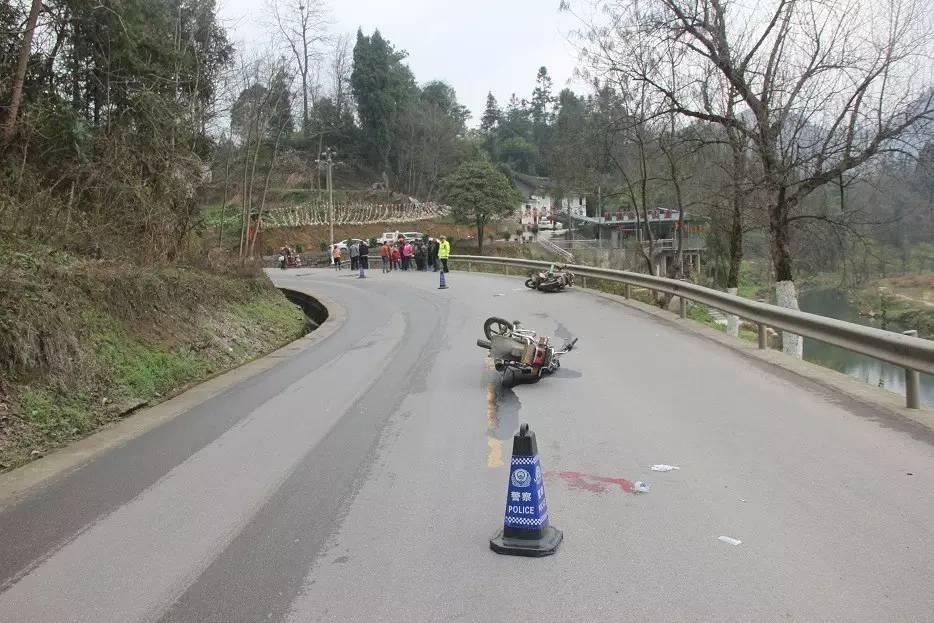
x: 520, y: 352
x: 289, y: 260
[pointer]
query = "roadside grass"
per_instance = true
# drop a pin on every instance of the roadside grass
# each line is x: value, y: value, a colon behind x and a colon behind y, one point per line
x: 84, y: 342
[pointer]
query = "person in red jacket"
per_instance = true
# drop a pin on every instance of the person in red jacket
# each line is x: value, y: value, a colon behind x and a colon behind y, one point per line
x: 407, y: 255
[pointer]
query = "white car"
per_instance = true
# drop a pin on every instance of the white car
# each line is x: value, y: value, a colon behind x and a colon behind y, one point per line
x: 344, y: 245
x: 389, y: 236
x: 393, y: 236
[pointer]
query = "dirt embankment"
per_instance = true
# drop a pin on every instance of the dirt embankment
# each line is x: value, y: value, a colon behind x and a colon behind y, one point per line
x: 84, y: 342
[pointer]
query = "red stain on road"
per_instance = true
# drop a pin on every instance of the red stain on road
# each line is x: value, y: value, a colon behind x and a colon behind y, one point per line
x: 594, y: 484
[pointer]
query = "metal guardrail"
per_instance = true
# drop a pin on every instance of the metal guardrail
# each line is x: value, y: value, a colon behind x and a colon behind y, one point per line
x: 911, y: 353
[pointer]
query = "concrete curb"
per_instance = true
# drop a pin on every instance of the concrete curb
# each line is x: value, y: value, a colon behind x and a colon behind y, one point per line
x: 15, y: 484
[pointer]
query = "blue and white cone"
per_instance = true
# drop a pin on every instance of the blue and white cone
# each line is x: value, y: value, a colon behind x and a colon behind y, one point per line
x: 444, y: 284
x: 526, y: 530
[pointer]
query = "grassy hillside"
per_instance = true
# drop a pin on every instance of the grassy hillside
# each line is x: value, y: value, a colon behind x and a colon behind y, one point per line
x: 82, y: 341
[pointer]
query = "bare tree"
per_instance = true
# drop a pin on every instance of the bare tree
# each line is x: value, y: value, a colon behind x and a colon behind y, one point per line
x: 341, y: 65
x: 302, y: 24
x: 822, y: 86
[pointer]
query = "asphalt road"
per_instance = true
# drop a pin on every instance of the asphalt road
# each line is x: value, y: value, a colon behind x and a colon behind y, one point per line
x: 361, y: 478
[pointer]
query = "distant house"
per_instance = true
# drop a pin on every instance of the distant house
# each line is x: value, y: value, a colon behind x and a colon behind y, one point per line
x: 617, y: 230
x: 539, y: 203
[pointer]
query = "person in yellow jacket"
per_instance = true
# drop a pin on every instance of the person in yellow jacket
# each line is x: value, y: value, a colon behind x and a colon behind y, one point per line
x: 444, y: 251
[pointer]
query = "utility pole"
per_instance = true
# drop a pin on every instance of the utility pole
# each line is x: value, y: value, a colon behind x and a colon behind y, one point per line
x: 327, y: 157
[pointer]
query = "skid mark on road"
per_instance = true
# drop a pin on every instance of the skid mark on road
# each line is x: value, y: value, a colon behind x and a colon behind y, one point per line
x: 494, y: 455
x: 591, y: 483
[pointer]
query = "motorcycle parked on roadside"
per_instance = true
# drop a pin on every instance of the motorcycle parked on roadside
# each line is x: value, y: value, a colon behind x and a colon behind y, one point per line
x: 520, y: 353
x: 289, y: 260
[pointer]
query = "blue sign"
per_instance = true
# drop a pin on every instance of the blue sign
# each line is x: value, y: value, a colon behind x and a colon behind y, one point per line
x: 526, y: 508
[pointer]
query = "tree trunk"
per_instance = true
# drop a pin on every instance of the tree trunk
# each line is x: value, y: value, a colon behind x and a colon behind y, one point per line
x: 220, y: 235
x: 16, y: 93
x: 736, y: 249
x: 305, y: 98
x: 243, y: 193
x: 480, y: 237
x: 262, y: 203
x: 304, y: 68
x: 785, y: 293
x: 779, y: 234
x: 738, y: 173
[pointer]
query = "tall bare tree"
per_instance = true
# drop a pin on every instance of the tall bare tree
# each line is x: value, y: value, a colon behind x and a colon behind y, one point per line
x: 823, y: 86
x: 341, y: 64
x: 302, y: 25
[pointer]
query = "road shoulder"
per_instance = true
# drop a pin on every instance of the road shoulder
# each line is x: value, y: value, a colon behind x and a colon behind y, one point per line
x: 863, y: 399
x: 16, y: 484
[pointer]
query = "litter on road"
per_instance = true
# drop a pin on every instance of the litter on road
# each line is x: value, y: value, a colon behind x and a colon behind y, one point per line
x: 640, y: 487
x: 729, y: 540
x: 664, y: 468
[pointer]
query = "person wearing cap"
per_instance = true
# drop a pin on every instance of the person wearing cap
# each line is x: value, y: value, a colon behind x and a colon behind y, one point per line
x: 444, y: 251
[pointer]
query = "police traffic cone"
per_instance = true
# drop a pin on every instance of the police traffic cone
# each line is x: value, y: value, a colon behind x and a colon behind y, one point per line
x: 526, y: 531
x: 361, y: 275
x: 444, y: 285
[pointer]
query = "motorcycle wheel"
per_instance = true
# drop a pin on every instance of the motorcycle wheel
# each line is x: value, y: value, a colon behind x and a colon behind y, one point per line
x: 530, y: 284
x: 496, y: 326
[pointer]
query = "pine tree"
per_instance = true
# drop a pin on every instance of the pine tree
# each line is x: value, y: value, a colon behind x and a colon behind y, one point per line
x: 491, y: 115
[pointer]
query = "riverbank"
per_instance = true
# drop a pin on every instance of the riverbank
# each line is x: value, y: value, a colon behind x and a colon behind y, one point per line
x: 895, y: 303
x: 85, y: 342
x: 906, y: 302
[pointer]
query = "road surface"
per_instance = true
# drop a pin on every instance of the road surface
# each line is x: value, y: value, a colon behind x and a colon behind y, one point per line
x: 361, y: 478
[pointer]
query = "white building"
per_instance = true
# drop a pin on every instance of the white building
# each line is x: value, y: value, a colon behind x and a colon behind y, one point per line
x: 538, y: 204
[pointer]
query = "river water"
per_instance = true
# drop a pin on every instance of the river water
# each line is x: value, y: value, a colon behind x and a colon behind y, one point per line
x: 834, y: 304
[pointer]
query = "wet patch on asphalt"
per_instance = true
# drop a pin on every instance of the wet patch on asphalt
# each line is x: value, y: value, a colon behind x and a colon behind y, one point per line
x: 592, y: 483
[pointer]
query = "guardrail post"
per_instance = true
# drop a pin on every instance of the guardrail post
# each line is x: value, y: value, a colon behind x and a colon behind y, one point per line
x: 583, y: 282
x: 627, y: 291
x: 684, y: 307
x: 912, y: 382
x: 763, y: 337
x: 469, y: 267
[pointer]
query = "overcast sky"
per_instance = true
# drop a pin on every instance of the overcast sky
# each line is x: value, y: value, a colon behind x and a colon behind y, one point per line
x: 474, y: 45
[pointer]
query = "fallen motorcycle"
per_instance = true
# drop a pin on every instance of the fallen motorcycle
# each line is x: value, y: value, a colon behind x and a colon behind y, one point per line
x: 520, y: 353
x: 551, y: 280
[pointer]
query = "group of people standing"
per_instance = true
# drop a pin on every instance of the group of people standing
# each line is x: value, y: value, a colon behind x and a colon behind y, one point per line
x: 359, y: 253
x: 402, y: 255
x: 415, y: 255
